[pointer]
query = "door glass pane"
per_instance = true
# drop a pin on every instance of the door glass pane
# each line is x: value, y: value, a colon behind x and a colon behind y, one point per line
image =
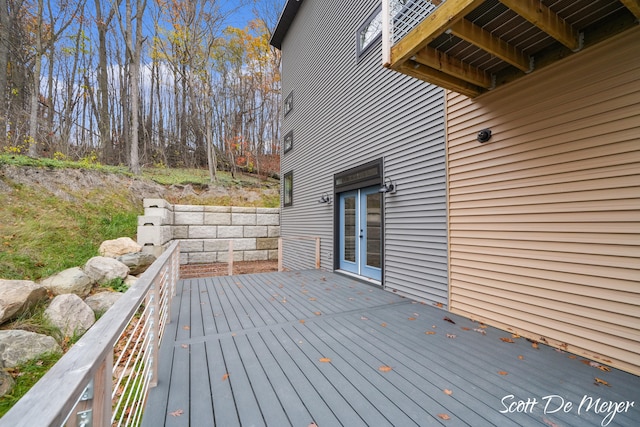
x: 374, y: 214
x: 350, y: 229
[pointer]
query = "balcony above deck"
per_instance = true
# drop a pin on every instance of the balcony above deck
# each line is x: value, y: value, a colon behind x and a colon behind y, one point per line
x: 473, y: 46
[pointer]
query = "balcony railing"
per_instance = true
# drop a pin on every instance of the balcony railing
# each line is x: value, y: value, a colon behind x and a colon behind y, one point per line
x: 105, y: 377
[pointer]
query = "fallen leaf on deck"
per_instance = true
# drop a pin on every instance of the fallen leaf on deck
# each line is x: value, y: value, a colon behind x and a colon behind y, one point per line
x: 464, y: 328
x: 364, y: 318
x: 324, y: 279
x: 184, y: 346
x: 416, y: 315
x: 503, y: 372
x: 317, y: 313
x: 480, y: 331
x: 385, y: 368
x: 447, y: 392
x: 549, y: 423
x: 439, y: 304
x: 312, y: 299
x: 430, y: 333
x: 176, y: 413
x: 521, y: 357
x: 509, y: 340
x: 572, y: 356
x: 225, y: 377
x: 384, y: 325
x: 186, y: 328
x: 603, y: 382
x: 451, y: 335
x: 515, y: 336
x: 301, y: 320
x: 313, y: 425
x: 534, y: 345
x: 444, y: 417
x: 325, y: 360
x: 446, y: 319
x: 412, y: 318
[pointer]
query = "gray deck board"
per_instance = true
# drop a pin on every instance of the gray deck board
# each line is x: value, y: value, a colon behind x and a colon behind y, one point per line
x: 246, y: 351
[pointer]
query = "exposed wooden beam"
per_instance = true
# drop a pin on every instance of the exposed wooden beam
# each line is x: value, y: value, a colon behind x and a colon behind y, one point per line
x: 430, y: 75
x: 547, y: 20
x: 431, y: 27
x: 453, y: 66
x: 474, y: 34
x: 633, y: 6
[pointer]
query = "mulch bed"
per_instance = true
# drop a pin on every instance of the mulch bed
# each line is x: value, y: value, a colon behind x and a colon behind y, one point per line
x: 193, y: 271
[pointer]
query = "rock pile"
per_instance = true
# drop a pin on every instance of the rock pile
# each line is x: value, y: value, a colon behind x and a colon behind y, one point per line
x: 71, y: 306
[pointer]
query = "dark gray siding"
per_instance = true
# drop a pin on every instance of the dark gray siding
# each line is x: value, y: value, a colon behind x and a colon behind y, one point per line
x: 347, y: 112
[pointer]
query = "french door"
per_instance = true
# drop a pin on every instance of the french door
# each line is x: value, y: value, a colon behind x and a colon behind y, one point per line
x: 361, y: 232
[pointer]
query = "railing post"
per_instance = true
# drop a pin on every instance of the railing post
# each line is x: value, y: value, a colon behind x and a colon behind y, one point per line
x: 279, y: 253
x: 386, y: 34
x: 154, y: 301
x: 102, y: 390
x: 317, y: 253
x: 230, y: 260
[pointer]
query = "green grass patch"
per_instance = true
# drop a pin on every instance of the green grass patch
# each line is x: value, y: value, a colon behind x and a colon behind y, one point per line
x: 25, y: 376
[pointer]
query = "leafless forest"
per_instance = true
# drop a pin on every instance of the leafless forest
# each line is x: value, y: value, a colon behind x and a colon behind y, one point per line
x: 141, y: 83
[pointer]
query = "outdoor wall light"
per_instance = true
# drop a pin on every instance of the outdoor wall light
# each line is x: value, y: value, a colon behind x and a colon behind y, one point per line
x: 387, y: 187
x: 484, y: 135
x: 325, y: 198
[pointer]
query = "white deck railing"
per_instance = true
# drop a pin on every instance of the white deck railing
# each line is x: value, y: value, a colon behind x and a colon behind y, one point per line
x: 400, y: 17
x: 105, y: 377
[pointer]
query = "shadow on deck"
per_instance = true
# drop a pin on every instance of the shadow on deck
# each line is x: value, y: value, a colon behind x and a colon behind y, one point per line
x: 290, y: 349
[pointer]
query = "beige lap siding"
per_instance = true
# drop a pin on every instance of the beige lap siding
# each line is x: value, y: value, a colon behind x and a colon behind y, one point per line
x: 544, y: 219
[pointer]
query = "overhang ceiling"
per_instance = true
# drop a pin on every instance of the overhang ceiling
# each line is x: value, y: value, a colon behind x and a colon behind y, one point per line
x: 473, y: 46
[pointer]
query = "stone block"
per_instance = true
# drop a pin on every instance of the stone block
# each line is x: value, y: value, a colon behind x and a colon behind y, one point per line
x: 217, y: 218
x: 180, y: 231
x: 244, y: 244
x: 237, y: 209
x: 188, y: 208
x: 268, y: 219
x: 237, y: 256
x: 189, y: 218
x: 217, y: 209
x: 191, y: 245
x: 257, y: 231
x: 268, y: 243
x: 202, y: 257
x: 216, y: 245
x: 273, y: 255
x: 274, y: 231
x: 203, y: 232
x: 268, y: 211
x: 157, y: 203
x: 165, y: 214
x: 230, y: 231
x: 256, y: 255
x: 155, y: 235
x: 243, y: 219
x: 147, y: 220
x: 155, y: 250
x: 184, y: 258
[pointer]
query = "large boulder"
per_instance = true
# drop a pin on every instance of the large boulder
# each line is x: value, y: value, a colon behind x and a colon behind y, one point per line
x: 103, y: 269
x: 117, y: 247
x: 6, y: 380
x: 137, y: 262
x: 71, y: 281
x: 17, y: 296
x: 17, y: 347
x: 102, y: 301
x: 69, y: 313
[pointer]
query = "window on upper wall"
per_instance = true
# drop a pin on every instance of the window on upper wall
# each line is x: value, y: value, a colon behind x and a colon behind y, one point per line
x: 371, y: 31
x: 288, y: 104
x: 288, y: 141
x: 288, y: 189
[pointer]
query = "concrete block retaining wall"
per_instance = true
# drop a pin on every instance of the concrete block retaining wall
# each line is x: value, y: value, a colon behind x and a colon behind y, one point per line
x: 204, y: 232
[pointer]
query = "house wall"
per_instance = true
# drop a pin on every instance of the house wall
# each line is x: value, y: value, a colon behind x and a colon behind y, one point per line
x: 545, y: 217
x: 347, y: 112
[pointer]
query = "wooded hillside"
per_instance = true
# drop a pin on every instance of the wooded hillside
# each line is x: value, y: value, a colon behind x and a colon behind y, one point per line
x: 140, y: 82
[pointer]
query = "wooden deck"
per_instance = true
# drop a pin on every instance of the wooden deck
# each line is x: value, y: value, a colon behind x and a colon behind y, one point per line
x: 289, y: 349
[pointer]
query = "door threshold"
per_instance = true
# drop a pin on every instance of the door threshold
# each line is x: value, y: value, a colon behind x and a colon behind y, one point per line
x: 361, y: 278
